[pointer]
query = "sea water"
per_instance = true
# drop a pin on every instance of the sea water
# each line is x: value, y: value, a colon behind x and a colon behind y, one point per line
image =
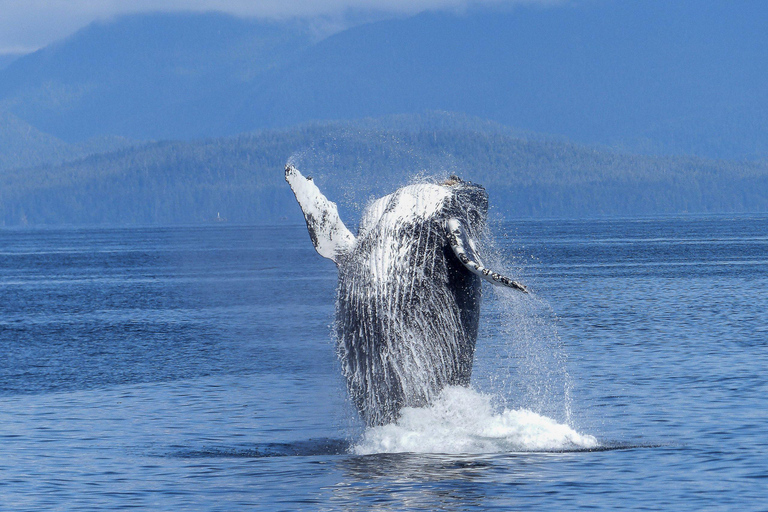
x: 194, y: 369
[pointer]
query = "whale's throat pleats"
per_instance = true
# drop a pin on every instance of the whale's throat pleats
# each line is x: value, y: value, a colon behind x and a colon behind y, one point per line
x: 403, y: 334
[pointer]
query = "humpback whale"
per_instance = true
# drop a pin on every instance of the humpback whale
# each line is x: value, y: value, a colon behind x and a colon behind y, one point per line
x: 408, y: 297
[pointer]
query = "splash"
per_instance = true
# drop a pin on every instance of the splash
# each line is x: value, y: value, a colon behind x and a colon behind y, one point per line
x: 521, y: 358
x: 463, y: 420
x: 407, y: 316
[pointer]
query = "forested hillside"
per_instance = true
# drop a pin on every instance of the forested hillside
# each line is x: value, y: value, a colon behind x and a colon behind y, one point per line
x: 241, y: 179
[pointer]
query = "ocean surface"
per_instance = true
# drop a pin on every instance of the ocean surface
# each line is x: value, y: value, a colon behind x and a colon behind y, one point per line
x: 194, y: 369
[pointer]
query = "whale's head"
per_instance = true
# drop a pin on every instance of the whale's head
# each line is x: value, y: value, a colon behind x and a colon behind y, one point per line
x: 467, y: 201
x: 437, y: 201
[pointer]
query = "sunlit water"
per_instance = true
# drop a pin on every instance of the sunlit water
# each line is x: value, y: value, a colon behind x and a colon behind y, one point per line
x: 193, y: 369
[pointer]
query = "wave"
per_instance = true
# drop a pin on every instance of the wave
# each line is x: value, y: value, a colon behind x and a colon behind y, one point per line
x: 463, y: 420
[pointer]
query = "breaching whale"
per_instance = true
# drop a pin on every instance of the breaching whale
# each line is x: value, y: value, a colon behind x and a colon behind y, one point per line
x: 408, y: 298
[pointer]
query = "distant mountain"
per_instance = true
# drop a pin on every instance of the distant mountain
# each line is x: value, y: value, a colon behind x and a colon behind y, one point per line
x: 25, y: 146
x: 656, y: 75
x: 7, y: 58
x: 653, y: 76
x: 146, y: 76
x: 241, y: 178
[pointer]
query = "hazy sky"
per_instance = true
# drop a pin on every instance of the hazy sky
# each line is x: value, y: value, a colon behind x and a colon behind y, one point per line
x: 26, y: 25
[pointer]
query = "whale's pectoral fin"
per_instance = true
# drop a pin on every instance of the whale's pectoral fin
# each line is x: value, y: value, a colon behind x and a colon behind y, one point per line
x: 465, y: 252
x: 329, y: 235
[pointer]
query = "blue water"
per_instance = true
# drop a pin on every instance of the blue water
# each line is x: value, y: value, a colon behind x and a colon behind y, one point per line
x: 193, y: 369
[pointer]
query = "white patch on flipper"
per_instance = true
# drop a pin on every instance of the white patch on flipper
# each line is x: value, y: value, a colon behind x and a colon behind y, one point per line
x: 329, y: 235
x: 464, y: 249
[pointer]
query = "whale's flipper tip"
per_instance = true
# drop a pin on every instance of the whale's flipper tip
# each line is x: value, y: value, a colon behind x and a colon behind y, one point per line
x: 515, y: 285
x: 329, y: 235
x: 293, y: 173
x: 457, y: 238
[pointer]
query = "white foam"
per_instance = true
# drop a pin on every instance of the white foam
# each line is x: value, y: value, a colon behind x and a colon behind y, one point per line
x: 462, y: 420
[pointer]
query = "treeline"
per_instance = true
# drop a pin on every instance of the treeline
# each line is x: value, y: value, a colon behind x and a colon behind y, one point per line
x: 241, y: 179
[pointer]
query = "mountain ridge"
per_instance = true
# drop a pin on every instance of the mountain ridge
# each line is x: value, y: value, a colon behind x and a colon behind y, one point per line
x: 137, y: 76
x: 658, y: 77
